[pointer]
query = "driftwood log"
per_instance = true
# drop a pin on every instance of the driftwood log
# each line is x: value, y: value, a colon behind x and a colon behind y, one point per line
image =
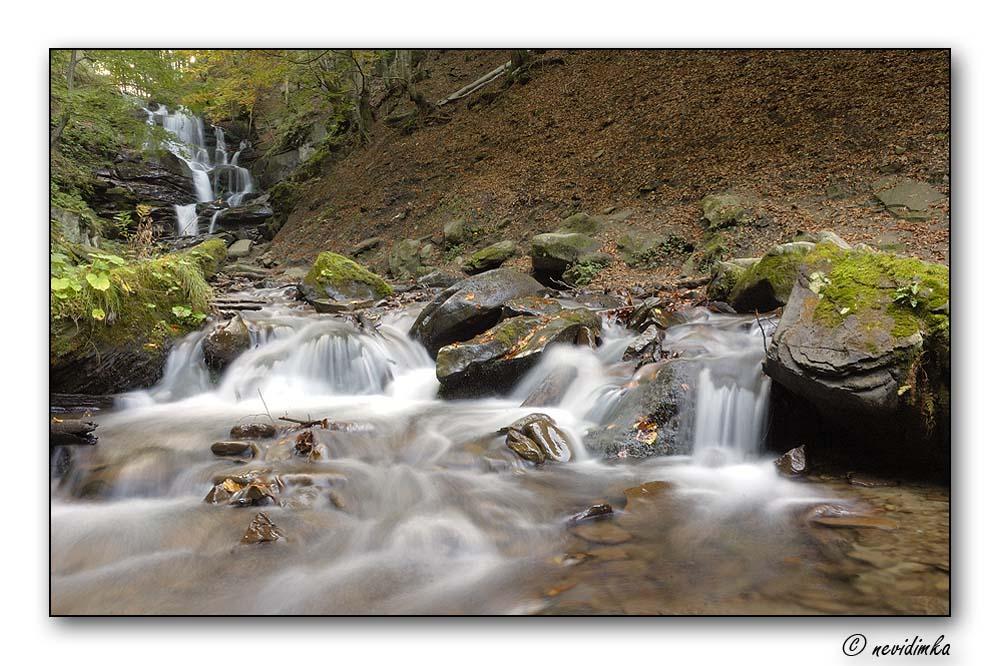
x: 71, y: 432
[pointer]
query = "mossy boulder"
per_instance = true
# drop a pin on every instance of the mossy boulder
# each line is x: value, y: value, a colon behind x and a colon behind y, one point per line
x: 640, y: 248
x: 725, y: 276
x: 493, y: 361
x: 335, y: 277
x: 410, y: 259
x: 553, y: 253
x: 457, y: 232
x: 725, y: 209
x: 865, y: 339
x: 582, y: 223
x: 112, y: 321
x: 470, y: 307
x: 490, y: 257
x: 768, y: 283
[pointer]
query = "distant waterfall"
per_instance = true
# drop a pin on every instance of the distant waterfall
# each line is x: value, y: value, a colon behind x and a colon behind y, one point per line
x: 213, y: 174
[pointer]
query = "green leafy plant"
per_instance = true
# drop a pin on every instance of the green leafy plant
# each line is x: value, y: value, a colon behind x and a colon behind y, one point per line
x: 818, y: 281
x: 908, y: 294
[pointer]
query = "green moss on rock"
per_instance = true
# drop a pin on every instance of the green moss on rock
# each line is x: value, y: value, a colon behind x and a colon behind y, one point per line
x: 491, y: 256
x: 335, y: 276
x: 724, y: 210
x: 768, y: 283
x: 914, y: 293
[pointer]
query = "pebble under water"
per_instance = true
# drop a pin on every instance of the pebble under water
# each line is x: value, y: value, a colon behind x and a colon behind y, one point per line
x: 408, y: 504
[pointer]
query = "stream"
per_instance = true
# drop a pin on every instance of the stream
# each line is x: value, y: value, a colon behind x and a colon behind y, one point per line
x: 410, y: 504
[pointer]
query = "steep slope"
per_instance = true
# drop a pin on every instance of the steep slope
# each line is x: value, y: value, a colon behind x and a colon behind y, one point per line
x: 807, y: 136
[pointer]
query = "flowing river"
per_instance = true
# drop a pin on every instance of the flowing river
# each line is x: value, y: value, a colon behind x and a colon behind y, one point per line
x: 412, y: 504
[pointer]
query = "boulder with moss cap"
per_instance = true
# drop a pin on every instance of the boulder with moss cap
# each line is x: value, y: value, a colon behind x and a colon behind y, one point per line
x: 865, y: 338
x: 334, y: 277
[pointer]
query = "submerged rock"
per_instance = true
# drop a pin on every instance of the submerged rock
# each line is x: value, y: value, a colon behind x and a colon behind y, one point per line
x: 600, y: 510
x: 601, y: 531
x: 470, y: 307
x: 493, y: 361
x: 224, y: 344
x: 261, y: 530
x: 237, y: 448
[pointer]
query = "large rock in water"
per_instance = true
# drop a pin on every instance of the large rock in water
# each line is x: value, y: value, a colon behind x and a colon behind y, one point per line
x: 648, y: 418
x: 865, y: 339
x: 493, y: 361
x: 335, y: 277
x: 226, y: 342
x: 469, y: 307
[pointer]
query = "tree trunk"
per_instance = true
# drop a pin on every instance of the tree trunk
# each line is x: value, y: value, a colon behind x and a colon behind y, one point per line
x: 74, y: 57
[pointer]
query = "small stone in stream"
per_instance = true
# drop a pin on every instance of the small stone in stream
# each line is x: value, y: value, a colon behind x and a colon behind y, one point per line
x: 639, y: 496
x: 261, y: 530
x: 525, y: 447
x: 550, y: 438
x: 243, y: 449
x: 602, y: 531
x: 856, y: 521
x: 793, y: 462
x: 252, y: 431
x: 254, y: 494
x: 602, y: 509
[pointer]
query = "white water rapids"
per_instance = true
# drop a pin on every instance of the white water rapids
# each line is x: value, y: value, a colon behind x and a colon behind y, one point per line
x: 417, y: 507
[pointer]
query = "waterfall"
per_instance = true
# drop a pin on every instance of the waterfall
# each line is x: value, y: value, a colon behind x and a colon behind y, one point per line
x: 731, y: 391
x: 213, y: 175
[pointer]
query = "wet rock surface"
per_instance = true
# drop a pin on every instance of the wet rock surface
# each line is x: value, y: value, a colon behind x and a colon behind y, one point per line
x: 493, y: 361
x: 470, y: 307
x: 226, y: 342
x: 261, y: 530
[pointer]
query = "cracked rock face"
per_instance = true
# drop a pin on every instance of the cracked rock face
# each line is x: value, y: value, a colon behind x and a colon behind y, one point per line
x: 851, y: 367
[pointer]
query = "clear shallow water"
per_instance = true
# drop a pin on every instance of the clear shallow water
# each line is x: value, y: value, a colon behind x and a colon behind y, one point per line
x: 416, y: 505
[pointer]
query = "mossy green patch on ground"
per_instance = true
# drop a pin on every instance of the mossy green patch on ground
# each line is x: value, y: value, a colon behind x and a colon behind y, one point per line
x: 109, y: 302
x: 335, y: 272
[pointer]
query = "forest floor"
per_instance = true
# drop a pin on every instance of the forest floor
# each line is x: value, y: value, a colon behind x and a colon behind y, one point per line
x: 805, y: 135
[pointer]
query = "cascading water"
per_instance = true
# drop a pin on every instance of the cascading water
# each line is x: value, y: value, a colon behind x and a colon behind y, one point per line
x: 213, y: 175
x: 414, y: 504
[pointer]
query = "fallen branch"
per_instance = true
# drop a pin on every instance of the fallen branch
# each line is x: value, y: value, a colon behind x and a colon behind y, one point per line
x: 71, y: 432
x: 304, y: 424
x: 475, y: 85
